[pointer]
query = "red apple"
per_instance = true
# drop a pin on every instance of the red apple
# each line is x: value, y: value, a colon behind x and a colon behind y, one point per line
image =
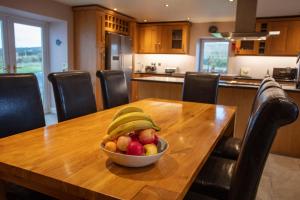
x: 123, y: 142
x: 147, y: 136
x: 135, y: 148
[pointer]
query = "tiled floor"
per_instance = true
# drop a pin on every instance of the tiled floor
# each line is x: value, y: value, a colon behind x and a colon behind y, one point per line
x: 280, y: 179
x: 50, y: 118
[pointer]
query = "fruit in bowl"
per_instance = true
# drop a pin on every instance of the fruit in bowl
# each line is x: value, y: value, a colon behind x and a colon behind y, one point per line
x: 132, y: 139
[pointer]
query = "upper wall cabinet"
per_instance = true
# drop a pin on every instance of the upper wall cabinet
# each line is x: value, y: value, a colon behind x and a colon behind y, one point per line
x: 172, y: 38
x: 149, y: 39
x: 285, y: 44
x: 293, y: 38
x: 277, y: 45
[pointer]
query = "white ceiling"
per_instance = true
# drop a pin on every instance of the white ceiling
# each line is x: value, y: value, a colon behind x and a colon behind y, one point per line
x: 197, y: 10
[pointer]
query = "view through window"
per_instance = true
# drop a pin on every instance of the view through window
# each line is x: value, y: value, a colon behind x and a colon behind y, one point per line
x: 29, y: 51
x: 214, y: 56
x: 2, y: 64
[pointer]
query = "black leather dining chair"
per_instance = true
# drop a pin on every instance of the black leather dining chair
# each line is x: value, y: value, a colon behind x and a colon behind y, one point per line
x: 114, y: 88
x: 73, y: 93
x: 200, y: 87
x: 222, y: 178
x: 21, y: 110
x: 229, y: 147
x: 21, y: 107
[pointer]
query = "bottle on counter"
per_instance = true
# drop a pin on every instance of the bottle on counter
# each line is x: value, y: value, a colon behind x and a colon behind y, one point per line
x: 267, y: 74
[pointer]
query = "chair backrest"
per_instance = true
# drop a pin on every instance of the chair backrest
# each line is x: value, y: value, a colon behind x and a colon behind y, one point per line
x: 200, y: 87
x: 272, y: 110
x: 73, y: 93
x: 21, y: 107
x: 265, y: 84
x: 114, y: 88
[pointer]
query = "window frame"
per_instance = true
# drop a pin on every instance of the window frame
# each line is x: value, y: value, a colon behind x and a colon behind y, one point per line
x: 201, y: 52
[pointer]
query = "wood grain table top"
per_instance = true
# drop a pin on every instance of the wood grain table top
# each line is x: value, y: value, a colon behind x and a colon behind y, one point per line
x: 64, y: 160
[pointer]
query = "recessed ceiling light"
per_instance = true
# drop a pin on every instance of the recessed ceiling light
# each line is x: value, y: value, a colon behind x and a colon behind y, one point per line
x: 115, y: 9
x: 166, y: 5
x: 145, y: 20
x: 231, y: 0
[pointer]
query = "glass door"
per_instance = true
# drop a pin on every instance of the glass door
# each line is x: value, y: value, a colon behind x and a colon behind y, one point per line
x: 28, y: 51
x: 22, y: 49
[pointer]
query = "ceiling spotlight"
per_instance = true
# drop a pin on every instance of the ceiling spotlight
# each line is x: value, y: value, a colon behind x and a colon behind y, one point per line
x: 115, y: 9
x: 145, y: 20
x: 231, y: 0
x: 166, y: 5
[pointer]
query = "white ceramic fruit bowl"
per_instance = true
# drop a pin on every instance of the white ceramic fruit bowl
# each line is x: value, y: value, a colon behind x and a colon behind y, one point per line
x: 137, y: 161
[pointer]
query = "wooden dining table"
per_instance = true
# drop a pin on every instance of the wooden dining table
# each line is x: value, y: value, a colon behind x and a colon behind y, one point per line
x: 65, y: 161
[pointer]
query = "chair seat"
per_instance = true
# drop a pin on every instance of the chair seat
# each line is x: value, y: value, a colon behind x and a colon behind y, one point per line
x: 215, y: 178
x: 228, y: 147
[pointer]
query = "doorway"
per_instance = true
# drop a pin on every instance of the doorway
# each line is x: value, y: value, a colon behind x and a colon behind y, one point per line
x: 23, y: 49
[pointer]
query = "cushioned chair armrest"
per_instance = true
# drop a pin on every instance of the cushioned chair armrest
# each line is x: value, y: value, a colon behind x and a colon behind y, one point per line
x: 214, y: 178
x: 228, y: 147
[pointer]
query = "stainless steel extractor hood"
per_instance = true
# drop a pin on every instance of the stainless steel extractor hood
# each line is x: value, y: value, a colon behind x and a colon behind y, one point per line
x: 245, y: 24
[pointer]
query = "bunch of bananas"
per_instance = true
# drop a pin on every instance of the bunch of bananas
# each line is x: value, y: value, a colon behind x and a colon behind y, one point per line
x: 128, y: 120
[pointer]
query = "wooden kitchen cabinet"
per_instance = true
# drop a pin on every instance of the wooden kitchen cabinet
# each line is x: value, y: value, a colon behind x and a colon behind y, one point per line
x: 277, y: 45
x: 164, y: 38
x: 293, y: 38
x: 285, y: 44
x: 149, y: 39
x: 248, y: 47
x: 177, y: 39
x: 90, y: 25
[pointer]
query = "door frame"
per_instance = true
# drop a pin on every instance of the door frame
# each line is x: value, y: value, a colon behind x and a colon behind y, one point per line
x: 10, y: 54
x: 5, y: 34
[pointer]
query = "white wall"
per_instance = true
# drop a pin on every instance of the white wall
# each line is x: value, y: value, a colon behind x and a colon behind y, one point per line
x: 183, y: 62
x: 258, y: 65
x: 58, y: 53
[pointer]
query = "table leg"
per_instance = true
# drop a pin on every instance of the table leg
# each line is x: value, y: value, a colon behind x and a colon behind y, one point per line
x: 2, y: 190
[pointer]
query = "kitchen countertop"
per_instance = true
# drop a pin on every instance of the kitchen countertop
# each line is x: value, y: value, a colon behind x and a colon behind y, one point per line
x: 223, y: 76
x: 222, y: 83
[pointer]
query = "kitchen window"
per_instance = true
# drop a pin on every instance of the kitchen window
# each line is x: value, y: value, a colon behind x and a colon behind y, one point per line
x: 214, y: 55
